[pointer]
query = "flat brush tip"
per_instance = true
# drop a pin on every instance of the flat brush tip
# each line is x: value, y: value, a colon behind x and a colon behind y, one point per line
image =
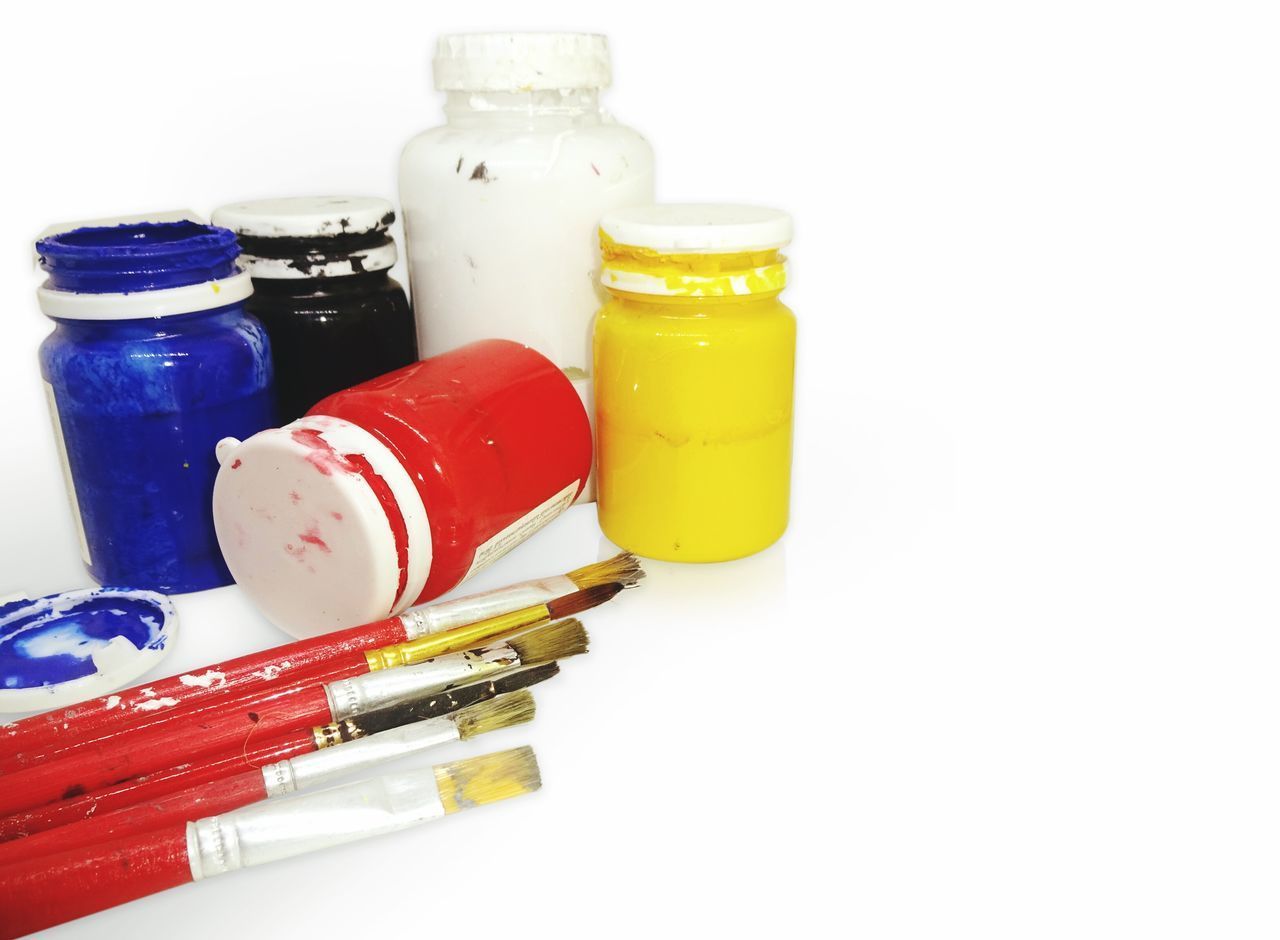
x: 623, y: 568
x: 558, y: 640
x: 585, y: 599
x: 487, y: 779
x: 504, y: 711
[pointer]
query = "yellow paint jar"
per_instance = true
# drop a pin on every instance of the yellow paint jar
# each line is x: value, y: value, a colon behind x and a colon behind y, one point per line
x: 694, y: 365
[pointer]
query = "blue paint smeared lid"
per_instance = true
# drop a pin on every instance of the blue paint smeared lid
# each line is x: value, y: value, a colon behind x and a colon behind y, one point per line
x: 66, y: 648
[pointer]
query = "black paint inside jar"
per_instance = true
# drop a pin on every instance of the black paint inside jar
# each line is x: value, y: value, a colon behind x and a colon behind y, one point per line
x: 328, y: 333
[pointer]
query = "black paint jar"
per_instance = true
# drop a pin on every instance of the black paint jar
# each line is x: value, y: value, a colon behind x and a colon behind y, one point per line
x: 323, y: 291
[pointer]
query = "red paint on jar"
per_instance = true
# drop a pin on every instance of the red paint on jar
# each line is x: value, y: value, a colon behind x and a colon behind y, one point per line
x: 395, y: 519
x: 312, y: 537
x: 487, y: 432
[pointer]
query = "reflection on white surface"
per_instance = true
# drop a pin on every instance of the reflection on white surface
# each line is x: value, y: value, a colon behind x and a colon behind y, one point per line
x: 757, y: 583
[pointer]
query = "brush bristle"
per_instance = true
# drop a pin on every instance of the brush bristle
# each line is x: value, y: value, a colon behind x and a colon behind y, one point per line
x: 487, y: 779
x: 582, y: 600
x: 501, y: 712
x: 509, y: 680
x: 623, y: 568
x: 558, y: 640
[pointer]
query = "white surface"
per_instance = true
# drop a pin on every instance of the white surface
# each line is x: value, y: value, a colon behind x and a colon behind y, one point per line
x: 698, y: 228
x: 1028, y: 687
x: 521, y: 61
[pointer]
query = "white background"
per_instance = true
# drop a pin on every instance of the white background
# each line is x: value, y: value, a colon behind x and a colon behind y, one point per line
x: 1013, y: 670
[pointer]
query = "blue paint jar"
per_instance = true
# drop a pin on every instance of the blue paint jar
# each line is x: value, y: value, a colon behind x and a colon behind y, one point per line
x: 153, y: 360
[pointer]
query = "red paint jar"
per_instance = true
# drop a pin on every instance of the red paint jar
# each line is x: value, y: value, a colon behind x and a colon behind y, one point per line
x: 394, y: 491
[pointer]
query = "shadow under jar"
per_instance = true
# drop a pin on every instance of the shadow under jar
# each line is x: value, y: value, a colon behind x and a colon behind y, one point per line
x: 324, y: 292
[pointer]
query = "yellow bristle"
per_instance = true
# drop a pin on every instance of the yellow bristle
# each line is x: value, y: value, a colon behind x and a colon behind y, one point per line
x: 624, y: 568
x: 487, y: 779
x: 501, y: 712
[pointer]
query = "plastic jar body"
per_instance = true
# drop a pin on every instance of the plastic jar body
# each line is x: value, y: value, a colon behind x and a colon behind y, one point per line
x: 694, y: 374
x: 152, y: 360
x: 500, y: 209
x: 693, y: 423
x: 329, y: 334
x: 139, y: 406
x: 393, y: 492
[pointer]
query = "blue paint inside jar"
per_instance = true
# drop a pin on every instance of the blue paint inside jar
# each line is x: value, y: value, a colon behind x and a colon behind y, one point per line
x: 143, y: 256
x: 142, y: 402
x: 40, y: 645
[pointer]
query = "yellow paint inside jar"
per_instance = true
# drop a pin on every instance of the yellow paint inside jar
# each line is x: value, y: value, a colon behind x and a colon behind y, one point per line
x: 694, y: 365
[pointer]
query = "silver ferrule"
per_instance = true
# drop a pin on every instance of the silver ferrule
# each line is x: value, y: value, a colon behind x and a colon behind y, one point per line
x: 436, y: 618
x: 267, y: 832
x: 357, y: 695
x: 308, y: 771
x: 279, y: 778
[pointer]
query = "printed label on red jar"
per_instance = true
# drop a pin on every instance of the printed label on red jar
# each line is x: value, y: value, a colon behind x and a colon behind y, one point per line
x: 494, y: 548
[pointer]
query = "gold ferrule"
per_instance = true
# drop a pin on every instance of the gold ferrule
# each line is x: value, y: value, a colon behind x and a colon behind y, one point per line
x: 457, y: 640
x: 326, y: 736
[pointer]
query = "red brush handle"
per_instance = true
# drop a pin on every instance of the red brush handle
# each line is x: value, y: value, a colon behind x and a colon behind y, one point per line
x: 122, y: 739
x: 153, y: 786
x: 54, y: 889
x: 256, y: 672
x: 208, y: 799
x: 100, y: 764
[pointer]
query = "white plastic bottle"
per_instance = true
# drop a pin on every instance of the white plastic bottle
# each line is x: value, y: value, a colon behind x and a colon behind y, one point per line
x: 502, y: 203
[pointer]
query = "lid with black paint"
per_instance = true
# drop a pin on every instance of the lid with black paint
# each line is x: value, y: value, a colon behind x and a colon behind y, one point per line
x: 312, y: 236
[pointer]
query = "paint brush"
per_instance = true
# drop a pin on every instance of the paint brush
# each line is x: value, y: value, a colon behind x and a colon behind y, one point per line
x: 94, y: 767
x: 155, y: 786
x: 41, y: 892
x: 349, y: 662
x: 37, y: 737
x: 305, y: 772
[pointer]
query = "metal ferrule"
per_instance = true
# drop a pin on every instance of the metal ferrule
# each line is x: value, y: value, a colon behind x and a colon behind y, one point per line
x: 357, y: 695
x: 267, y: 832
x: 336, y: 732
x: 471, y: 635
x: 308, y: 771
x: 278, y: 779
x: 436, y: 618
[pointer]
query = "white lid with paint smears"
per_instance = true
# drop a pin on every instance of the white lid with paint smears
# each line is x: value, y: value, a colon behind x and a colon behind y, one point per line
x: 518, y: 62
x: 312, y: 236
x: 67, y: 648
x: 306, y: 216
x: 320, y: 525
